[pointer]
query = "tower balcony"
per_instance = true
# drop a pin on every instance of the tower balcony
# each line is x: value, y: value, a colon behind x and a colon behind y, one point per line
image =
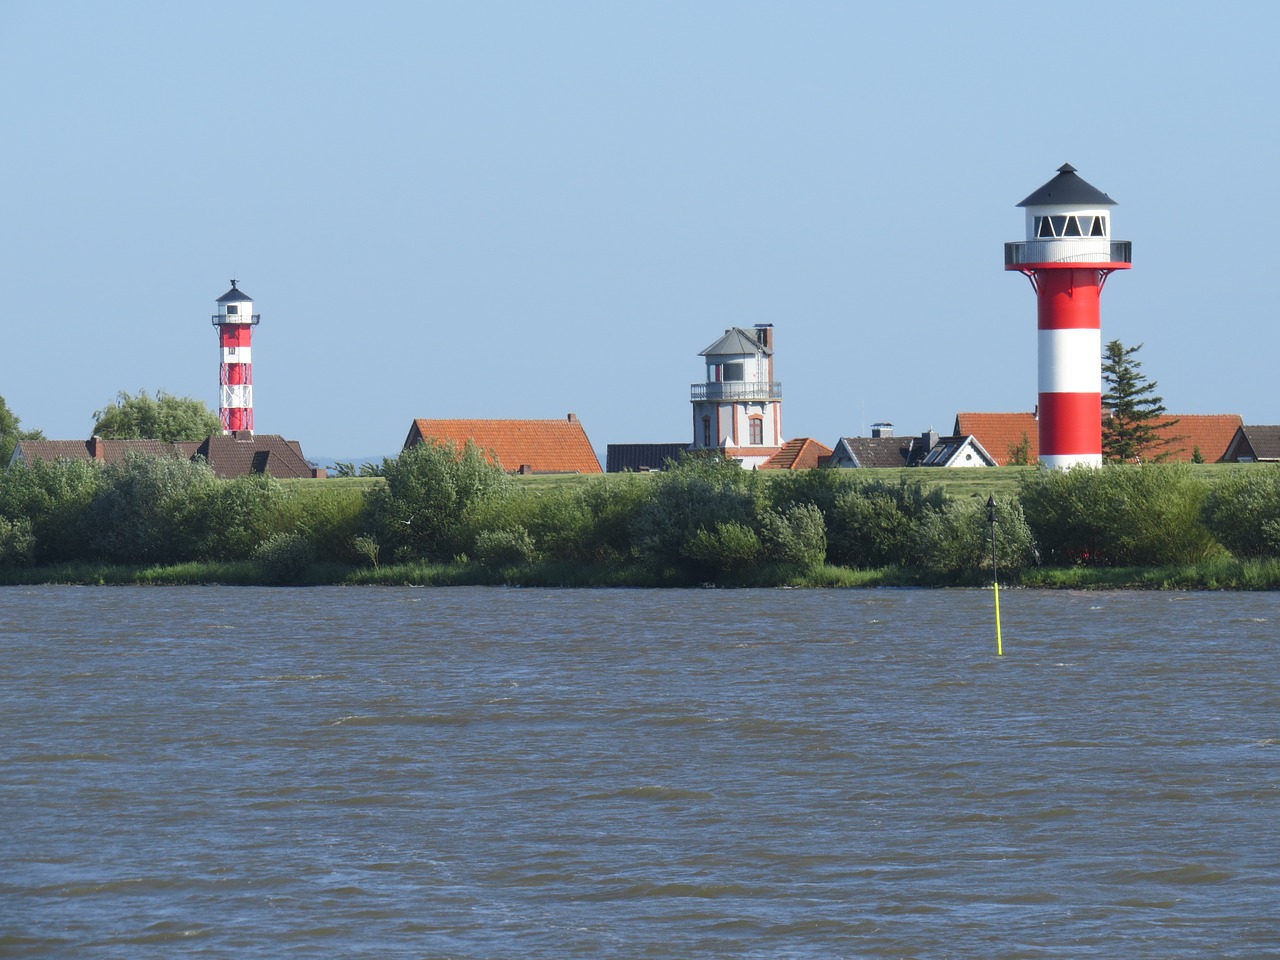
x: 224, y: 318
x: 1059, y: 250
x: 736, y: 390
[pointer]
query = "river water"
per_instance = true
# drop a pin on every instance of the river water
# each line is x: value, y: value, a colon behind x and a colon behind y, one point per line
x: 492, y: 773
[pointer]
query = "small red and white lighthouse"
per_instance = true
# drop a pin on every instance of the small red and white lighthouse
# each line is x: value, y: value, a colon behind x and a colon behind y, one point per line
x: 235, y: 321
x: 1067, y: 256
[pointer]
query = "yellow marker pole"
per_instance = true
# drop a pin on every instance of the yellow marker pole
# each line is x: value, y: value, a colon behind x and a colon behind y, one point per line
x: 995, y: 575
x: 999, y: 645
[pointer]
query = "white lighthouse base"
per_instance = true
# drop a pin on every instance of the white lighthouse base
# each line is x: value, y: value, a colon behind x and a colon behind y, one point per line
x: 1065, y: 461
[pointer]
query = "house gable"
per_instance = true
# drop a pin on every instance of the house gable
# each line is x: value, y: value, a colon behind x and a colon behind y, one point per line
x: 803, y: 453
x: 1254, y: 443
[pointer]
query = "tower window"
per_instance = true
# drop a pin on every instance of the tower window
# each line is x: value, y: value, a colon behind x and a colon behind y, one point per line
x: 755, y: 427
x: 232, y: 309
x: 733, y: 371
x: 706, y: 431
x: 1073, y: 228
x: 1099, y: 227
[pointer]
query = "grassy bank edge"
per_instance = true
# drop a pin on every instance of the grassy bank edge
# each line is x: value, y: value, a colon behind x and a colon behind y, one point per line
x: 1218, y: 574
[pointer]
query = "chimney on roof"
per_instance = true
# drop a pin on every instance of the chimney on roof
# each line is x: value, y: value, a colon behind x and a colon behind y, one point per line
x: 573, y: 418
x: 764, y: 335
x: 96, y: 448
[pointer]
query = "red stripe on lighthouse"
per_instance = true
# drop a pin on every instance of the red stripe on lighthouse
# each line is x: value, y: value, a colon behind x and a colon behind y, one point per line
x: 1069, y: 299
x: 1070, y: 424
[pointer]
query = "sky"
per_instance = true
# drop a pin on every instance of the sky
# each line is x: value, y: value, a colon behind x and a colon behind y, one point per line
x: 526, y: 209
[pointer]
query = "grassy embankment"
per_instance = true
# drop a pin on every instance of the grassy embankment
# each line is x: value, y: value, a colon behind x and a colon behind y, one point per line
x: 1002, y: 483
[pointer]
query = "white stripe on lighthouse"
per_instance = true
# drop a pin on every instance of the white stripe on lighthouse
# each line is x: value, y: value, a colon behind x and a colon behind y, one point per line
x: 236, y: 355
x: 236, y: 395
x: 1070, y: 361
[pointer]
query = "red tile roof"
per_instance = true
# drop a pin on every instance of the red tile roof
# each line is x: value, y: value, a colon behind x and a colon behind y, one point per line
x: 803, y: 453
x: 999, y: 432
x: 544, y: 446
x: 1212, y: 433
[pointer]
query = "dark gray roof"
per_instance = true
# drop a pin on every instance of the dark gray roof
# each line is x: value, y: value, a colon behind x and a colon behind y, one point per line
x: 880, y: 451
x: 1066, y: 187
x: 242, y: 453
x: 229, y: 456
x: 1263, y: 442
x: 234, y: 295
x: 734, y: 342
x: 620, y: 457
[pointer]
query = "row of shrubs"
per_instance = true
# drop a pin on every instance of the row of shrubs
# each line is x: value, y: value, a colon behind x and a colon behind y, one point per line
x: 704, y: 519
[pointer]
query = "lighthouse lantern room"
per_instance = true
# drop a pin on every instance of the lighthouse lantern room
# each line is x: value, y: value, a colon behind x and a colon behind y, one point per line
x: 235, y: 321
x: 1068, y: 255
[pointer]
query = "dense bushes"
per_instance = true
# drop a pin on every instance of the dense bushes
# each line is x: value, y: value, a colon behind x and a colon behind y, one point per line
x: 54, y: 499
x: 702, y: 520
x: 432, y: 495
x: 1243, y: 512
x: 1119, y: 515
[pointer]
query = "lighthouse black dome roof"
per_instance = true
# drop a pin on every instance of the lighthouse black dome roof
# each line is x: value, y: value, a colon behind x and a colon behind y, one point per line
x: 234, y: 296
x: 1066, y: 187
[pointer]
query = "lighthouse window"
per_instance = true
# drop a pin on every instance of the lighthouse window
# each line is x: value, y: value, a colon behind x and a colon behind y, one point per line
x: 756, y: 427
x: 1043, y: 227
x: 733, y: 371
x: 232, y: 309
x: 1099, y: 227
x: 1073, y: 228
x: 1059, y: 225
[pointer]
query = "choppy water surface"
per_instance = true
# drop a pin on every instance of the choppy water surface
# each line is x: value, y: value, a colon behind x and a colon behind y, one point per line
x: 487, y: 773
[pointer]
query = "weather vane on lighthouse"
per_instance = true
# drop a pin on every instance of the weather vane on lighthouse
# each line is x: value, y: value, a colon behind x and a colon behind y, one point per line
x: 235, y: 321
x: 1067, y: 256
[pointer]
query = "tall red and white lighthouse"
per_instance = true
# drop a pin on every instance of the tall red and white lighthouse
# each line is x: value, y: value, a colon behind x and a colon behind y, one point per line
x: 1067, y: 256
x: 235, y: 321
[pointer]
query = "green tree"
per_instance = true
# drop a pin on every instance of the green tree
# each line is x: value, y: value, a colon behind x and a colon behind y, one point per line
x: 53, y: 497
x: 162, y: 417
x: 700, y: 517
x: 1020, y: 452
x: 432, y: 493
x: 1132, y: 431
x: 11, y: 433
x: 143, y: 511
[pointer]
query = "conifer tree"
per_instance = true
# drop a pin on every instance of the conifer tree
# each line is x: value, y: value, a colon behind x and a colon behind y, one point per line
x: 1131, y: 426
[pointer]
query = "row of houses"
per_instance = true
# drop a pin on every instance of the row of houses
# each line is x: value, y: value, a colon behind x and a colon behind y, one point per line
x: 737, y: 412
x: 237, y: 454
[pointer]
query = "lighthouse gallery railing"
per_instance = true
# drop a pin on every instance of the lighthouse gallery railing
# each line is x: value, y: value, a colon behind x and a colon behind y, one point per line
x: 737, y: 390
x: 1066, y: 251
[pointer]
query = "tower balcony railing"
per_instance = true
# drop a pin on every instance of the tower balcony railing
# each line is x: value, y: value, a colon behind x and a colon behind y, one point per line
x: 1081, y: 250
x: 736, y: 390
x: 221, y: 318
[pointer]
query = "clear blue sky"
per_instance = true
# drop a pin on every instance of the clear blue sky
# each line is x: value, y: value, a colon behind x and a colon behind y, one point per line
x: 522, y: 209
